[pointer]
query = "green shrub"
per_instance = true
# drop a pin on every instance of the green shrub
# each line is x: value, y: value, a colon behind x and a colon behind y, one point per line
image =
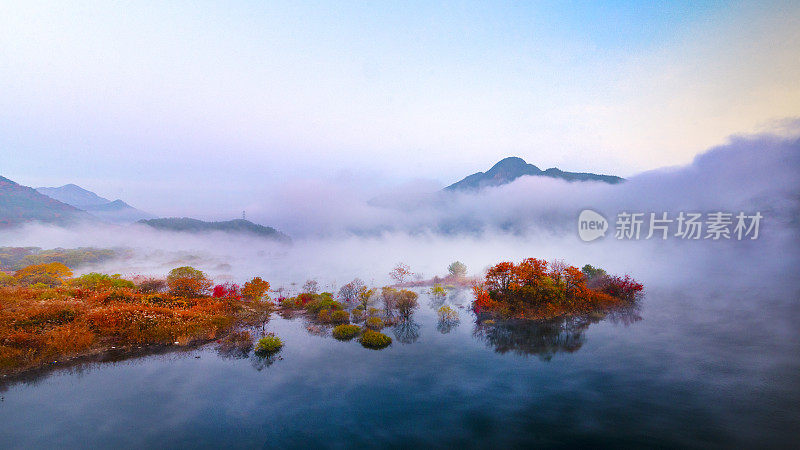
x: 96, y: 280
x: 438, y: 292
x: 374, y: 339
x: 323, y: 301
x: 346, y: 331
x: 374, y: 323
x: 268, y: 345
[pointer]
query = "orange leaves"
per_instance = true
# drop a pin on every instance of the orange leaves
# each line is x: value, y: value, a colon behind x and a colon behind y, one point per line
x: 50, y: 274
x: 40, y: 324
x: 534, y: 289
x: 188, y: 281
x: 255, y: 289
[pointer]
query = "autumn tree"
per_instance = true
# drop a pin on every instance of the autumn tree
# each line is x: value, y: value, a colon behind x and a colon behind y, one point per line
x: 255, y: 289
x: 389, y: 298
x: 406, y: 302
x: 349, y: 292
x: 7, y: 280
x: 364, y: 297
x: 400, y: 272
x: 187, y: 281
x: 227, y: 290
x: 457, y: 269
x: 50, y: 274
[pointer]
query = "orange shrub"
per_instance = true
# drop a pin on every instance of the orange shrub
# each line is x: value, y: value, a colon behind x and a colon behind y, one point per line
x: 40, y: 324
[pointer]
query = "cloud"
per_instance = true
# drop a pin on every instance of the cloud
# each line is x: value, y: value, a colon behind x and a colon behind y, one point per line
x: 750, y: 172
x: 339, y: 233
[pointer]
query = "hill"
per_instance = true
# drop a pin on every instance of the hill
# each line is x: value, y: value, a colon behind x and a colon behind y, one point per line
x: 20, y: 204
x: 511, y: 168
x: 103, y: 208
x: 188, y: 225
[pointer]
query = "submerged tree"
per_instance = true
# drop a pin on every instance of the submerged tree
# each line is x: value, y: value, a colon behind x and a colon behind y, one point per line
x: 389, y: 298
x: 406, y: 303
x: 365, y: 297
x: 448, y: 319
x: 350, y: 291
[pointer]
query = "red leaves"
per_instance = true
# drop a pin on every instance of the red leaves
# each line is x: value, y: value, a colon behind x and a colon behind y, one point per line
x: 535, y: 289
x: 620, y: 287
x: 227, y: 290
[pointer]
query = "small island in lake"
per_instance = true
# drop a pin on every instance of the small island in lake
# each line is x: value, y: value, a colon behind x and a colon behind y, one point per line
x: 538, y: 290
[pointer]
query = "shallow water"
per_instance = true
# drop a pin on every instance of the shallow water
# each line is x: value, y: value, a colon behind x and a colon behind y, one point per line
x: 712, y: 362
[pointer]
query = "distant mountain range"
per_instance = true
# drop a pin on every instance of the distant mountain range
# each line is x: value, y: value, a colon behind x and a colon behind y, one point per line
x: 71, y: 204
x: 185, y: 224
x: 111, y: 211
x: 20, y: 204
x: 511, y: 168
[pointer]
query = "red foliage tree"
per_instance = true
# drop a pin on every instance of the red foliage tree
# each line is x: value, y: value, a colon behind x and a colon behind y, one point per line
x: 534, y: 288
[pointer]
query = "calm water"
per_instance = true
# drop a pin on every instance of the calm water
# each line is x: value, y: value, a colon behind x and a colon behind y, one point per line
x: 712, y: 362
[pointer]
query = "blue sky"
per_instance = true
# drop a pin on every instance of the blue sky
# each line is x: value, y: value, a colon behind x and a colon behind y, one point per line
x: 147, y: 101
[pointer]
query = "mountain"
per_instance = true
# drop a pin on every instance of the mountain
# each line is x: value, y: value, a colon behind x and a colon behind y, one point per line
x: 20, y: 204
x: 103, y: 208
x: 511, y: 168
x: 186, y: 224
x: 74, y: 195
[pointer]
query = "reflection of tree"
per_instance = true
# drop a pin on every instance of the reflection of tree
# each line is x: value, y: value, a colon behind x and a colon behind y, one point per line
x: 541, y: 338
x: 445, y: 326
x: 407, y: 331
x: 436, y: 301
x: 625, y: 316
x: 260, y: 363
x: 232, y: 351
x: 448, y: 319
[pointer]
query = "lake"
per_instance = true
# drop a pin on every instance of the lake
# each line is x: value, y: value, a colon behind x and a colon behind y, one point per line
x: 709, y: 359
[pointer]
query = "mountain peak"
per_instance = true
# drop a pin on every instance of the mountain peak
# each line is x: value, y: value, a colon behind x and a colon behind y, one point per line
x: 510, y: 163
x: 74, y: 195
x: 509, y: 169
x: 116, y: 211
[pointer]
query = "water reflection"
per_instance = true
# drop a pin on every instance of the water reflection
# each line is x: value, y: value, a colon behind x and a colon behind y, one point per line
x: 407, y: 331
x: 546, y: 338
x: 262, y: 362
x: 445, y: 326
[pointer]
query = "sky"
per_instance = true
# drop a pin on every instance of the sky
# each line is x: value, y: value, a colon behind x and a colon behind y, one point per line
x: 203, y: 109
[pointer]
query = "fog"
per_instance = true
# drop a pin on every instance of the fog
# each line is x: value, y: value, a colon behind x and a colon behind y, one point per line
x: 340, y: 234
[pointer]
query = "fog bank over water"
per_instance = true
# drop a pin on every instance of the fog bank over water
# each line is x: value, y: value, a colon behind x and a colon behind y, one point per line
x: 337, y: 237
x: 755, y: 172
